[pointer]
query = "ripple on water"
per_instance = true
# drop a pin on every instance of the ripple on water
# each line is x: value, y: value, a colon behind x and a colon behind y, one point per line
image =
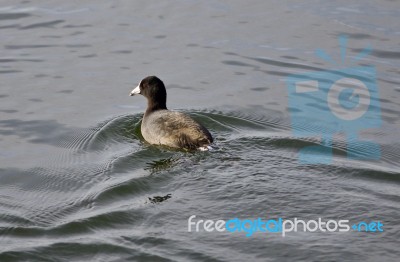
x: 110, y: 182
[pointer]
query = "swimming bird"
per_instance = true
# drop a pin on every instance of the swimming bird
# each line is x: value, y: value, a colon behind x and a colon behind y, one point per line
x: 161, y: 126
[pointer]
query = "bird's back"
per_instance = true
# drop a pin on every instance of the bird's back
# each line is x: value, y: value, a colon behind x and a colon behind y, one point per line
x: 174, y: 129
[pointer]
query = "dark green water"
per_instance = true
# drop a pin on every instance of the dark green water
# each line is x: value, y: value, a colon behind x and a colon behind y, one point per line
x: 79, y: 183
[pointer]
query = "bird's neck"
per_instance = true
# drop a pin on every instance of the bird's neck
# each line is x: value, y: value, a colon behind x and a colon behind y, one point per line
x: 155, y: 105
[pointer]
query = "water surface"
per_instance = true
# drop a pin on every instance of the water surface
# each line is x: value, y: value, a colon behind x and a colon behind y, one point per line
x: 78, y: 183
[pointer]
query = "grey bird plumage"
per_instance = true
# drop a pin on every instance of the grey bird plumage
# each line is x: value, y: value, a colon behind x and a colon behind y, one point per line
x: 161, y: 126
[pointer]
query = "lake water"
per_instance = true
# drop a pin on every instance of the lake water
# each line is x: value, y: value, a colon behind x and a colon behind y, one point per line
x: 77, y: 182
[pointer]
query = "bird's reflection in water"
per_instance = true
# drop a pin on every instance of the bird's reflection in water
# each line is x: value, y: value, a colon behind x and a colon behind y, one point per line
x: 161, y: 164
